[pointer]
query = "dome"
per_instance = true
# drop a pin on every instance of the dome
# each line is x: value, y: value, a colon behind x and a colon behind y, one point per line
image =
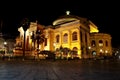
x: 66, y: 18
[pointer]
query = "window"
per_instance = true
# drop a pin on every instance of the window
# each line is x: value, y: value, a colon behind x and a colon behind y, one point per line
x: 106, y: 43
x: 75, y: 48
x: 93, y: 43
x: 74, y: 36
x: 74, y: 51
x: 65, y: 38
x: 57, y: 38
x: 100, y: 43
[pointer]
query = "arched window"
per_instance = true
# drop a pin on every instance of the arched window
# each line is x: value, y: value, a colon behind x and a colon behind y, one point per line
x: 75, y: 48
x: 93, y: 43
x: 57, y: 38
x: 74, y: 36
x: 100, y: 43
x: 65, y: 38
x: 106, y: 43
x: 74, y: 51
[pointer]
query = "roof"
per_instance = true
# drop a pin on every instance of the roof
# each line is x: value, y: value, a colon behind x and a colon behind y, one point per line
x: 67, y: 18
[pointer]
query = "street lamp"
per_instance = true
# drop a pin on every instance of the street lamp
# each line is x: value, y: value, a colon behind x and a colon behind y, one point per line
x: 89, y: 47
x: 5, y: 46
x: 25, y: 23
x: 5, y: 43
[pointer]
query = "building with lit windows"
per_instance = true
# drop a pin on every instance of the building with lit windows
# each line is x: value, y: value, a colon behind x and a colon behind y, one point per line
x: 67, y: 32
x: 6, y: 44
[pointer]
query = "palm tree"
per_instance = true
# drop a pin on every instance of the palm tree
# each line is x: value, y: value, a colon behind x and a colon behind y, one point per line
x: 39, y: 37
x: 33, y: 40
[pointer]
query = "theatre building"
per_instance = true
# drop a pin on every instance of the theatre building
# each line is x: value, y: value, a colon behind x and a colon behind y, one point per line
x: 68, y: 36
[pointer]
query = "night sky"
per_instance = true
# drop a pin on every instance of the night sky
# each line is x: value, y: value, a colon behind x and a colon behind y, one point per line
x: 104, y: 14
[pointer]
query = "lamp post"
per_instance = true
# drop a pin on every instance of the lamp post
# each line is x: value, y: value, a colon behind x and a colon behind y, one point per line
x: 25, y: 23
x: 5, y: 46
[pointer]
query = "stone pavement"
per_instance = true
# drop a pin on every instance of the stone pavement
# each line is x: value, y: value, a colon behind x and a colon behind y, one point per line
x: 60, y: 70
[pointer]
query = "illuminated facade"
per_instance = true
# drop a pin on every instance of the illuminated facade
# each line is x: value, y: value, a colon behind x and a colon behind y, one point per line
x: 72, y: 32
x: 30, y: 44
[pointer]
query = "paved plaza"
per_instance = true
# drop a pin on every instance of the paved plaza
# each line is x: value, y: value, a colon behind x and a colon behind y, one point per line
x: 60, y: 70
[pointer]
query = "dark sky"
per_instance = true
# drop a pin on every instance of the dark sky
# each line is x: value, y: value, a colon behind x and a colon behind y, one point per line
x: 105, y: 14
